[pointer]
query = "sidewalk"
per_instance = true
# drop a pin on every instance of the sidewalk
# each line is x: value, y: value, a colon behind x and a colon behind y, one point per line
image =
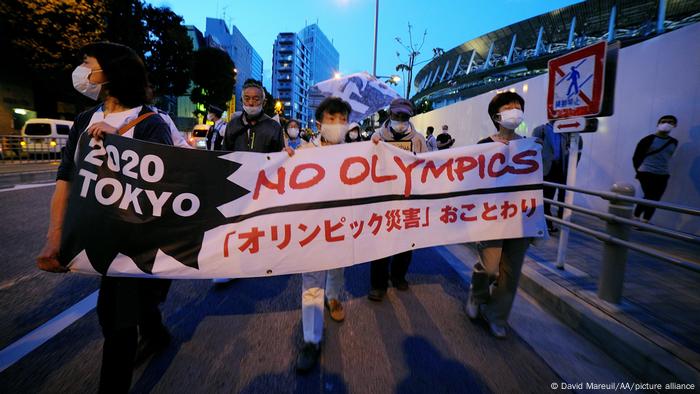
x: 661, y: 302
x: 12, y: 173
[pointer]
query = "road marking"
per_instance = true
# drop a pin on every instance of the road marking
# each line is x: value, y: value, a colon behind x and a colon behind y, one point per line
x: 27, y: 186
x: 36, y: 338
x: 13, y: 282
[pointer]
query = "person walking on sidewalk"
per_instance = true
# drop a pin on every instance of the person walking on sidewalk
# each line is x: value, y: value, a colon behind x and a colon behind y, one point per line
x: 650, y: 161
x: 500, y: 260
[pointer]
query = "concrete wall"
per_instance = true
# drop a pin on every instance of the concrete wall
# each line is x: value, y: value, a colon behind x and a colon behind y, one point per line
x: 656, y: 77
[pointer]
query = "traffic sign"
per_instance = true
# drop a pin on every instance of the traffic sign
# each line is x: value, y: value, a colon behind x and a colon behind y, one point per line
x: 576, y: 83
x: 569, y: 125
x: 576, y: 125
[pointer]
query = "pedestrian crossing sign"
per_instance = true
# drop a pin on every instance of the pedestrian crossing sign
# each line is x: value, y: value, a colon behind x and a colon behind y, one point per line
x: 576, y: 83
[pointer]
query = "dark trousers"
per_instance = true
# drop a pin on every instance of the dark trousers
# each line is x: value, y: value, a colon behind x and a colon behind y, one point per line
x: 653, y: 186
x: 500, y: 261
x: 379, y: 270
x: 556, y: 175
x: 127, y: 307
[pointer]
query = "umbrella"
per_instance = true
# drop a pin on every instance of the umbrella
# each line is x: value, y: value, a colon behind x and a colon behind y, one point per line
x: 365, y: 94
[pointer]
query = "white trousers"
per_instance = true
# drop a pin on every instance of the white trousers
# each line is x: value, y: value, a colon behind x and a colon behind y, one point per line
x: 314, y: 285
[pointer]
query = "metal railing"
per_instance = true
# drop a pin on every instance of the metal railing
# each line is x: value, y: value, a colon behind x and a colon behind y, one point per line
x: 616, y: 235
x: 30, y: 149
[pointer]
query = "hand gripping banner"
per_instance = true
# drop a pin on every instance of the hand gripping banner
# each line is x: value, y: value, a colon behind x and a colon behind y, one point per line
x: 149, y: 210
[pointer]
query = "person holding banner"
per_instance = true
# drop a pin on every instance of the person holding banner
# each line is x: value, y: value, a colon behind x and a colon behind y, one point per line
x: 252, y: 130
x: 500, y: 260
x: 126, y: 307
x: 398, y: 131
x: 332, y: 121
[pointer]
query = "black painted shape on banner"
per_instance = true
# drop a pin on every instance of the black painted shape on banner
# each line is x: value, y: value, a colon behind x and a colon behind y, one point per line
x: 104, y: 231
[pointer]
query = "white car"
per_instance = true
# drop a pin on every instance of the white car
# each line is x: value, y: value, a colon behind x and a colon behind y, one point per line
x: 41, y: 135
x: 198, y: 138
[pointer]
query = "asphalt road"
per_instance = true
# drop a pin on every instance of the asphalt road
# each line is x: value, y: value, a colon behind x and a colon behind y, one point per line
x: 243, y: 336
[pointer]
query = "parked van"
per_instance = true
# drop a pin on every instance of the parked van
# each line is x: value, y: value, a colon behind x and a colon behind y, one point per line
x: 41, y: 135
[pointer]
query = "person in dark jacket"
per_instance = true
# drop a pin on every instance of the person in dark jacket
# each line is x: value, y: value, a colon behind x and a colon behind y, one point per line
x: 555, y: 161
x: 215, y: 135
x: 650, y: 161
x: 126, y: 307
x: 252, y: 130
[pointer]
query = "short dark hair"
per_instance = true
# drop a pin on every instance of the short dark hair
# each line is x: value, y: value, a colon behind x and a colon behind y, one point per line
x: 253, y: 83
x: 431, y: 129
x: 668, y: 117
x: 127, y: 80
x: 286, y: 126
x: 502, y: 99
x: 215, y: 110
x: 333, y: 105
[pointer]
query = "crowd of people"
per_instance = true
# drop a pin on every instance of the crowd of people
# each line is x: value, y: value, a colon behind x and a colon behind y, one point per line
x: 128, y: 308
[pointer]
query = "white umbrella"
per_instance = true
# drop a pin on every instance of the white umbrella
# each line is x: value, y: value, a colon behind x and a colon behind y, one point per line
x: 365, y: 94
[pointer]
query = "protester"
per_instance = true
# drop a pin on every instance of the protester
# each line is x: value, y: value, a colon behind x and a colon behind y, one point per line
x: 353, y: 134
x: 252, y: 130
x: 500, y: 260
x: 430, y: 139
x: 397, y: 128
x: 445, y: 140
x: 332, y: 118
x: 215, y: 135
x: 292, y: 136
x: 555, y: 159
x: 126, y: 307
x: 650, y: 160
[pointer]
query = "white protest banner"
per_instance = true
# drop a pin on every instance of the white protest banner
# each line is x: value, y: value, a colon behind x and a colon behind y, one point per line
x: 141, y: 209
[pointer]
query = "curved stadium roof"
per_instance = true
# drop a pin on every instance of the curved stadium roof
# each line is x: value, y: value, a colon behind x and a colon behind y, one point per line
x: 463, y: 69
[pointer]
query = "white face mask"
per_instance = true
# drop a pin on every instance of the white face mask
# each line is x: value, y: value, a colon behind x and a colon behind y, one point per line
x: 334, y: 133
x: 293, y: 132
x: 665, y: 127
x: 354, y: 135
x: 399, y: 126
x: 210, y: 117
x: 511, y: 118
x: 252, y: 111
x: 81, y: 82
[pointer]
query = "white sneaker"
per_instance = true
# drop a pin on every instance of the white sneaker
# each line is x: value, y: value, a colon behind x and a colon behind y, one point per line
x: 218, y: 281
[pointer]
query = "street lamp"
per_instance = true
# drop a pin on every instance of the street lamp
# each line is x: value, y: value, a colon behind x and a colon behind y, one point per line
x: 337, y: 75
x: 391, y: 79
x: 376, y: 25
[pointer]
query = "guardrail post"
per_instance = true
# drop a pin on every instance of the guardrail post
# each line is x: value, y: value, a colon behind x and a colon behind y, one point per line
x: 612, y: 274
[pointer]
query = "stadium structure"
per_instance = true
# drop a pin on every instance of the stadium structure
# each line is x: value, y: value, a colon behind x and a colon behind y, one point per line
x: 521, y: 51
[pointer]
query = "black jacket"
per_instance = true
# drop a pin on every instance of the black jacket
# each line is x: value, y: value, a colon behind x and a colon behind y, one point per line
x: 265, y: 136
x: 151, y: 129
